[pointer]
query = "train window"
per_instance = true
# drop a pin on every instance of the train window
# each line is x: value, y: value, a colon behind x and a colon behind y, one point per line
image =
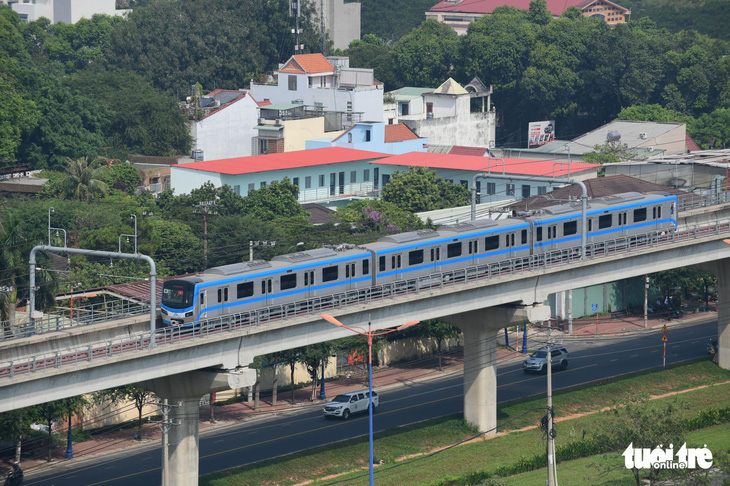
x: 657, y: 212
x: 605, y: 221
x: 453, y: 250
x: 432, y: 253
x: 220, y: 295
x: 415, y: 257
x: 352, y: 269
x: 506, y: 241
x: 438, y: 253
x: 329, y: 274
x: 398, y: 260
x: 365, y: 267
x: 306, y: 278
x: 590, y: 225
x: 538, y: 236
x: 639, y: 215
x: 263, y: 287
x: 524, y: 236
x: 550, y: 232
x: 225, y: 294
x: 244, y: 290
x: 347, y: 271
x: 288, y: 281
x: 570, y: 228
x: 491, y: 243
x: 382, y: 264
x: 392, y: 261
x: 202, y: 298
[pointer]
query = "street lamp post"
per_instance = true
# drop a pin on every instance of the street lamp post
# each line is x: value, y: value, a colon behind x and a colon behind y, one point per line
x: 369, y: 333
x: 322, y: 394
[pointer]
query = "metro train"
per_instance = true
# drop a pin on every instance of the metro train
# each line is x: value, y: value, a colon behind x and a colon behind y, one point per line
x: 296, y: 277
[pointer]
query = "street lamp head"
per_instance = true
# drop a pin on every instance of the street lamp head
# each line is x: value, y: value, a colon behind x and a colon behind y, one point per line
x: 331, y: 319
x: 407, y: 324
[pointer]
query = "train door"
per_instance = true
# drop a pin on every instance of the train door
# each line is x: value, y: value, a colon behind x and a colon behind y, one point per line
x: 621, y: 222
x: 266, y: 290
x: 435, y: 254
x: 396, y: 262
x: 509, y: 243
x: 202, y: 307
x: 349, y: 275
x: 309, y: 283
x: 222, y: 304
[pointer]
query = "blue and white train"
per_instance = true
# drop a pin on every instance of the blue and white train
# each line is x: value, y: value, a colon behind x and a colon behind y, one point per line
x: 296, y: 277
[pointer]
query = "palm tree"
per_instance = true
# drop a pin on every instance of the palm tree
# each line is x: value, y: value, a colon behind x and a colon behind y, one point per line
x: 81, y: 184
x: 11, y: 265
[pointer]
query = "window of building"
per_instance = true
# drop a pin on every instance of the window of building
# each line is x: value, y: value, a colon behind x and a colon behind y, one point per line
x: 263, y: 146
x: 525, y: 191
x: 541, y: 189
x: 262, y: 185
x: 349, y: 137
x: 491, y: 188
x: 510, y: 189
x: 321, y: 180
x: 308, y: 182
x: 353, y: 176
x: 403, y: 109
x: 295, y: 181
x: 367, y: 135
x: 289, y: 281
x: 237, y: 189
x: 366, y: 175
x: 292, y: 83
x: 251, y: 186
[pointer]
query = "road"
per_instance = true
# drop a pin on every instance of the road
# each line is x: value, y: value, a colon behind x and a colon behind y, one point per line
x: 238, y: 445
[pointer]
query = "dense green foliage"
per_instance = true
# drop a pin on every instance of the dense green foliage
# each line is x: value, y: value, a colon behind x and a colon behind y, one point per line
x: 420, y: 189
x: 574, y: 69
x: 709, y: 17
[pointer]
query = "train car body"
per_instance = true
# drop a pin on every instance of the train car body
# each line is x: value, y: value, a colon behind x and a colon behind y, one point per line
x: 299, y: 277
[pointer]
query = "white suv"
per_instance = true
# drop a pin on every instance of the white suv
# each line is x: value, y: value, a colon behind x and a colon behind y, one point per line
x: 345, y: 404
x: 538, y: 360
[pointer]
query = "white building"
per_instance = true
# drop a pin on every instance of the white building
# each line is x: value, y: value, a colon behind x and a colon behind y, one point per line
x: 226, y: 128
x: 443, y: 115
x: 327, y: 85
x: 341, y: 20
x: 66, y: 11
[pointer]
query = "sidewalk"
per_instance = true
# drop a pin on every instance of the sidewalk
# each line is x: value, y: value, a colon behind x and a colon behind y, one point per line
x: 405, y: 374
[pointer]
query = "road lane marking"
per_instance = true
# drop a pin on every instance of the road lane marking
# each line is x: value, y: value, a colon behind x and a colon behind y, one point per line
x: 654, y: 350
x: 614, y: 360
x: 633, y: 356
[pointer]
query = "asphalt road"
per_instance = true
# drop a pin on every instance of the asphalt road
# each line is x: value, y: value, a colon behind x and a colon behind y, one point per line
x: 237, y: 445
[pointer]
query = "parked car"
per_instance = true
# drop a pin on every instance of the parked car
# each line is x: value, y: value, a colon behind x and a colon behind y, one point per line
x: 346, y: 404
x: 538, y: 360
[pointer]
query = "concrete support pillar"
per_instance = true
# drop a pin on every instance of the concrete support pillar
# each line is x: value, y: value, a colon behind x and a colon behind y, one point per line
x: 722, y: 270
x: 480, y: 330
x: 183, y: 393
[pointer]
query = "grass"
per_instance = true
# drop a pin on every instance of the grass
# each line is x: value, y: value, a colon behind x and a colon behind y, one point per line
x: 402, y: 450
x: 609, y: 470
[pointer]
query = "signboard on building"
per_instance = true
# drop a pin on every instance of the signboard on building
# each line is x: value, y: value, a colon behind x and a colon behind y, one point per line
x: 540, y: 133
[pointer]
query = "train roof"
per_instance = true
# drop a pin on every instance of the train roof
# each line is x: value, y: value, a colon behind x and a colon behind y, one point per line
x: 597, y: 203
x: 410, y: 236
x: 304, y: 256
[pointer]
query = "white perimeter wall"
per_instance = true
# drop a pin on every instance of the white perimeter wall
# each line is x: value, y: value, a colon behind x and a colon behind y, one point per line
x: 227, y: 133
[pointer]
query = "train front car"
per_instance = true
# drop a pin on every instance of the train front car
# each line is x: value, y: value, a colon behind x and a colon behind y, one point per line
x: 178, y: 301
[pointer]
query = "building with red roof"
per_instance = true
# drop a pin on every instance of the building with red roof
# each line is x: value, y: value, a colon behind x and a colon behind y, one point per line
x: 460, y: 169
x: 321, y: 174
x: 458, y: 14
x: 327, y: 85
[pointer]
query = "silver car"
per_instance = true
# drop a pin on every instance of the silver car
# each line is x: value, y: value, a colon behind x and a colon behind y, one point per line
x: 538, y: 360
x: 345, y: 404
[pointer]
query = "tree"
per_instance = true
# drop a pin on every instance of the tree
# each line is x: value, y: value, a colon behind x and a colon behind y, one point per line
x: 712, y: 130
x: 291, y: 357
x: 81, y: 182
x: 13, y: 426
x: 438, y: 330
x: 608, y: 154
x: 653, y: 113
x: 538, y: 12
x: 12, y: 246
x: 377, y: 216
x: 279, y: 199
x: 176, y: 246
x: 420, y: 189
x: 313, y: 357
x: 426, y: 56
x: 635, y: 422
x: 127, y: 393
x: 50, y: 412
x: 121, y: 176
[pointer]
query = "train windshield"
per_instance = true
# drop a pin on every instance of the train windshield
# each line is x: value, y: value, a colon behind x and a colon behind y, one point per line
x: 178, y: 294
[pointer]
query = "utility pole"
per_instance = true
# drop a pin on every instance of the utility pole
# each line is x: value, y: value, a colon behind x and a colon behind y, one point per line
x: 646, y: 300
x: 258, y: 244
x: 205, y: 208
x: 165, y: 425
x: 552, y: 476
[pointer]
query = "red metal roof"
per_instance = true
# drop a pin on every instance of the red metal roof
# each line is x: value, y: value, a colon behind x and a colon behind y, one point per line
x: 481, y: 164
x: 556, y: 7
x: 461, y: 150
x: 286, y: 160
x: 690, y: 144
x: 307, y: 63
x: 398, y: 133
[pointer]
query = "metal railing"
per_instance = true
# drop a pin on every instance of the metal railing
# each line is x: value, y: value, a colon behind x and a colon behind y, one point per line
x: 314, y: 306
x: 63, y: 318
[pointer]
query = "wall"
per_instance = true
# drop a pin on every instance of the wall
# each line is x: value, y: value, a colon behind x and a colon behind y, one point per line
x: 474, y: 130
x: 297, y: 132
x: 227, y: 133
x: 185, y: 180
